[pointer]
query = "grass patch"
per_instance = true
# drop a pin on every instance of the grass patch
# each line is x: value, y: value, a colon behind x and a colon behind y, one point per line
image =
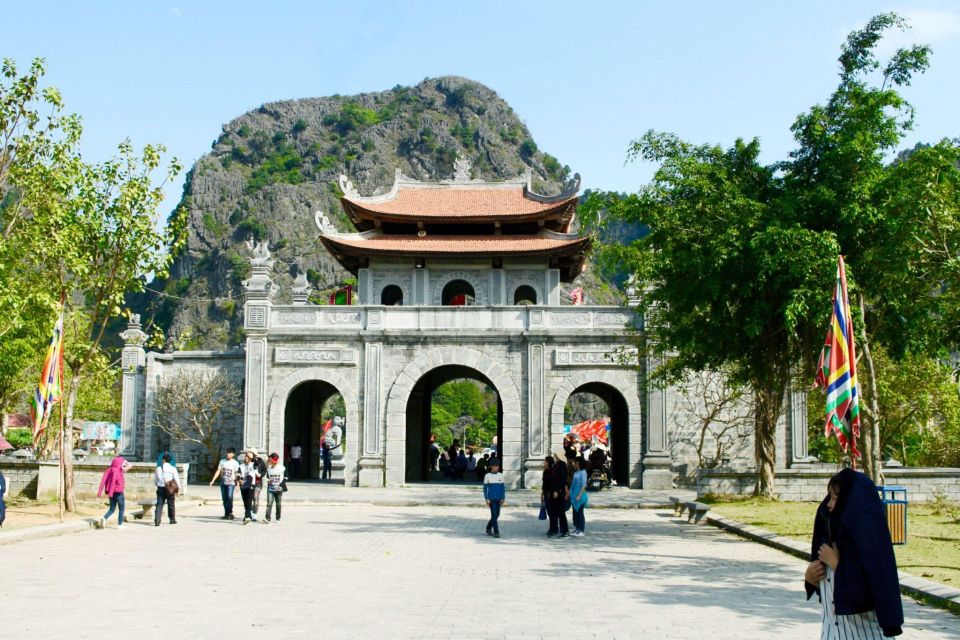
x: 933, y: 535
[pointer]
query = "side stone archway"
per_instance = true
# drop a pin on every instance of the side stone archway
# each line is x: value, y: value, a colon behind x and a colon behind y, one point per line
x: 396, y: 417
x: 620, y: 383
x: 348, y: 392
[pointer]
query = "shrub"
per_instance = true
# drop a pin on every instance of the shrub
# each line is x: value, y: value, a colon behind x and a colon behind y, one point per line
x: 281, y: 166
x: 20, y: 438
x: 352, y: 117
x: 527, y: 149
x: 254, y: 227
x: 299, y: 126
x: 244, y: 131
x: 240, y: 268
x: 465, y: 134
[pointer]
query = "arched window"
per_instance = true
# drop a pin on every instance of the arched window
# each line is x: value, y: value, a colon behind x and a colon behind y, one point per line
x: 525, y: 294
x: 392, y: 295
x: 458, y: 293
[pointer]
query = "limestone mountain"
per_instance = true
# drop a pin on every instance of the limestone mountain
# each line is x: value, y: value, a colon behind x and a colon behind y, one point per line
x: 272, y: 168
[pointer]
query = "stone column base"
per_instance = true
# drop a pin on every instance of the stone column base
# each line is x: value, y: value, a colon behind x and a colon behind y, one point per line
x: 656, y: 472
x: 533, y: 473
x: 371, y: 472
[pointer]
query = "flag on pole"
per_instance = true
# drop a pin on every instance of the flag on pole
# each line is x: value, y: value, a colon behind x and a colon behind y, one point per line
x: 837, y: 370
x: 51, y: 382
x: 576, y: 296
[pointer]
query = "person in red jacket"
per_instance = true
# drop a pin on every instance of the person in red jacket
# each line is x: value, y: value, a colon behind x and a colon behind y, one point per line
x: 112, y: 484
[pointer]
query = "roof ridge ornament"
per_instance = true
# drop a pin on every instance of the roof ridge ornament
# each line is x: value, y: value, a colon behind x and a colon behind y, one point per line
x: 323, y: 223
x: 347, y: 187
x: 568, y: 190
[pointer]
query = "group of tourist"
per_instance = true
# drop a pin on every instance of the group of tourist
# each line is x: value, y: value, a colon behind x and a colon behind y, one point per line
x: 563, y: 487
x: 250, y: 475
x: 457, y: 464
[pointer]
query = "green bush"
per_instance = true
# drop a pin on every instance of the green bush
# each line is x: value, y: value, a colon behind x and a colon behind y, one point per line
x: 281, y: 166
x: 528, y: 148
x: 254, y: 227
x: 299, y: 126
x: 20, y: 438
x: 240, y: 268
x: 465, y: 134
x: 244, y: 131
x: 352, y: 117
x: 327, y: 162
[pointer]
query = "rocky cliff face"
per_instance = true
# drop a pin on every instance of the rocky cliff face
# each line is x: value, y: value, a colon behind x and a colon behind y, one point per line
x: 273, y: 167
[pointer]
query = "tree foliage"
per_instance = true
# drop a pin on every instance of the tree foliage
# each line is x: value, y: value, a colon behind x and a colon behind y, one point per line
x: 741, y: 256
x: 465, y: 410
x: 192, y: 406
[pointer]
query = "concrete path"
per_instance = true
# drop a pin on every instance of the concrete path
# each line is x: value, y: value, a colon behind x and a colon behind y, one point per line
x: 366, y: 571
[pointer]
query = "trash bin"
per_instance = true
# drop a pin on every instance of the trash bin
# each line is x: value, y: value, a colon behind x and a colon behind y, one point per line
x: 895, y: 504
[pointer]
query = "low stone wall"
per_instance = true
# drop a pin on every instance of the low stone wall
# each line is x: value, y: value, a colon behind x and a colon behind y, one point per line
x: 810, y: 484
x: 40, y: 479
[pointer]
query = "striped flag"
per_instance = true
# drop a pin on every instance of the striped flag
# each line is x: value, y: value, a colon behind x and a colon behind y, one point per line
x: 342, y: 296
x: 51, y: 382
x: 837, y: 370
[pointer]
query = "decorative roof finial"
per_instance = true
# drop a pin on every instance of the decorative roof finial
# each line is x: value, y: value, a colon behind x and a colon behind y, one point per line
x: 461, y: 170
x: 323, y: 223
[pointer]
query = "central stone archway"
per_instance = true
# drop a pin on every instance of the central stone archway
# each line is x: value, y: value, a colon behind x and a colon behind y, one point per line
x: 347, y: 389
x: 400, y: 392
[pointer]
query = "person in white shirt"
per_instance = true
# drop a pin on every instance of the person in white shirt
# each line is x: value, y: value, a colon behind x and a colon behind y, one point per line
x: 276, y: 474
x: 165, y: 473
x: 249, y: 476
x: 296, y: 454
x: 229, y: 473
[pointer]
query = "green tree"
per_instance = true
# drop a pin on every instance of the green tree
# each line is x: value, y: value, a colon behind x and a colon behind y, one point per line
x: 463, y: 409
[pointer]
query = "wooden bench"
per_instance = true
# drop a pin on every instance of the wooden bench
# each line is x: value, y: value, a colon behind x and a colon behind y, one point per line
x: 696, y: 510
x: 147, y: 506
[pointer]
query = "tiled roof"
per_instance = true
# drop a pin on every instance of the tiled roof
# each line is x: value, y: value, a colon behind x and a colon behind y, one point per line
x: 459, y: 202
x: 463, y: 245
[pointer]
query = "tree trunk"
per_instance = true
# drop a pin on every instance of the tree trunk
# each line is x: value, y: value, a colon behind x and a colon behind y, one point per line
x: 873, y: 423
x: 768, y: 405
x: 69, y: 493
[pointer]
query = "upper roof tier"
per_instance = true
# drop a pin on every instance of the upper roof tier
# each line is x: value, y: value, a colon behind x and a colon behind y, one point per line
x: 461, y: 201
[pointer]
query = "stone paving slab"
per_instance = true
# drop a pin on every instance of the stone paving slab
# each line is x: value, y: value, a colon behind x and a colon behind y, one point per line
x: 362, y: 571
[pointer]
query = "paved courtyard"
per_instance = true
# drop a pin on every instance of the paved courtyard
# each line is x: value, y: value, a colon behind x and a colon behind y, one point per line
x: 366, y: 571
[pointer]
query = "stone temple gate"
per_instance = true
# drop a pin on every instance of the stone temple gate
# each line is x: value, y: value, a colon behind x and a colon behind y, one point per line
x: 456, y: 279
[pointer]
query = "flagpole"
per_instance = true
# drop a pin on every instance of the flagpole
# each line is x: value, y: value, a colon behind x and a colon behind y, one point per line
x: 60, y: 482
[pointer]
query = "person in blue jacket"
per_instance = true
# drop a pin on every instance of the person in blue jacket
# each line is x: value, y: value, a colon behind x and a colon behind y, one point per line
x: 853, y: 568
x: 495, y: 493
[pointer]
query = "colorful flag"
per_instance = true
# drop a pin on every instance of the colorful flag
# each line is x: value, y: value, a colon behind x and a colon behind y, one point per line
x: 51, y: 382
x: 458, y: 300
x: 837, y: 370
x: 587, y: 430
x: 342, y: 296
x: 576, y: 296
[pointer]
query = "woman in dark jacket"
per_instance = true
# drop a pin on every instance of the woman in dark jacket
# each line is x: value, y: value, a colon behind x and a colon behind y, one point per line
x: 853, y: 568
x: 557, y: 493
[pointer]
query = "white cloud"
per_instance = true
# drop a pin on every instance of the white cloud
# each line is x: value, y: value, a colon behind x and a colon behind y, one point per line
x: 176, y: 11
x: 926, y: 26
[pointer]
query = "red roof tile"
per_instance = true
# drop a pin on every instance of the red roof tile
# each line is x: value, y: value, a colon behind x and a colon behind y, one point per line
x: 459, y: 202
x: 464, y: 245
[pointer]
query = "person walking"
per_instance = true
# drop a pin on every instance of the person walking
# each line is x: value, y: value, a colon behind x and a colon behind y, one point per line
x: 327, y: 473
x: 112, y: 483
x: 495, y: 493
x: 248, y: 480
x: 558, y: 493
x: 168, y: 485
x: 578, y: 496
x: 228, y: 471
x: 276, y: 476
x: 258, y: 485
x: 545, y: 494
x: 853, y: 567
x: 3, y: 492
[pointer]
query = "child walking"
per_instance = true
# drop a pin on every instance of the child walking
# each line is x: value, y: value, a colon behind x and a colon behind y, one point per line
x: 495, y: 493
x: 275, y: 479
x: 854, y: 570
x: 228, y: 471
x: 112, y: 483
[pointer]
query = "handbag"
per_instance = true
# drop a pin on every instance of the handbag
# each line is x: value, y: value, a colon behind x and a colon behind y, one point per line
x: 543, y: 512
x: 171, y: 487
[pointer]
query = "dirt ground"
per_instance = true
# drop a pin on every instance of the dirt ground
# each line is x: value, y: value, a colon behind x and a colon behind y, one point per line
x: 22, y: 512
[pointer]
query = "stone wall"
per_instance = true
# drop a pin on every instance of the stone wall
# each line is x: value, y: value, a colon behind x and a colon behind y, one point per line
x: 39, y: 479
x: 810, y: 484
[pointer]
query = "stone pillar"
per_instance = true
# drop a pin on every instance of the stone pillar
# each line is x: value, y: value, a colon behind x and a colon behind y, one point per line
x: 421, y: 282
x: 371, y: 458
x: 365, y: 287
x: 498, y: 294
x: 553, y: 287
x: 656, y: 456
x: 260, y: 293
x: 797, y: 432
x: 133, y: 360
x: 536, y: 417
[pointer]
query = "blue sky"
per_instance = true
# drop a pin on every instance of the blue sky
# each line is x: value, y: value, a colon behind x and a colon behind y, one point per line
x: 586, y: 77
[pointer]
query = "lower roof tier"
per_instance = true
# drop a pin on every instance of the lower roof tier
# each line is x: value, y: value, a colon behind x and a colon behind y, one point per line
x: 565, y: 253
